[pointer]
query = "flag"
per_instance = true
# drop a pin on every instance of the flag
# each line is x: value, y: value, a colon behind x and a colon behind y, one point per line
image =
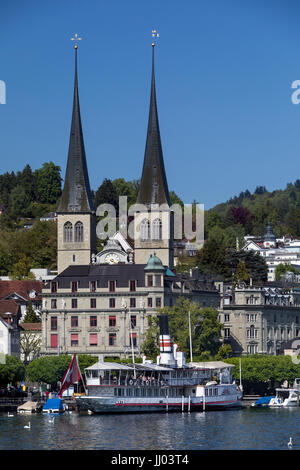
x: 71, y: 376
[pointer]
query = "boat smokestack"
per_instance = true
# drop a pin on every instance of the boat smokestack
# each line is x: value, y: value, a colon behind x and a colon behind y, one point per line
x: 165, y: 346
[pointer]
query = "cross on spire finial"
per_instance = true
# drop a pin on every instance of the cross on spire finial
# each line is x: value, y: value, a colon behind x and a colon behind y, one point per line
x: 155, y: 36
x: 76, y: 39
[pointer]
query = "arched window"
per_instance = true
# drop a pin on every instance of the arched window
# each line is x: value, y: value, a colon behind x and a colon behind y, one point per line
x: 156, y: 229
x: 68, y: 232
x: 79, y: 232
x: 145, y: 229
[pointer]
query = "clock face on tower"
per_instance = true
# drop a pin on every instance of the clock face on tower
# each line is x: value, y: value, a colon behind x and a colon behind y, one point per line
x: 112, y: 258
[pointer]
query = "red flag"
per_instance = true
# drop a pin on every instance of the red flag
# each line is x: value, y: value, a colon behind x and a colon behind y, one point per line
x: 71, y: 376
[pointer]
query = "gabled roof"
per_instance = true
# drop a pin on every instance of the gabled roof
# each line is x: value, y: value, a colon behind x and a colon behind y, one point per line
x: 21, y: 288
x: 9, y: 307
x: 31, y: 326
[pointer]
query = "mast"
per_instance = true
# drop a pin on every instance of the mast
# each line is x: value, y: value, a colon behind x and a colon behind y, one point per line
x: 190, y: 333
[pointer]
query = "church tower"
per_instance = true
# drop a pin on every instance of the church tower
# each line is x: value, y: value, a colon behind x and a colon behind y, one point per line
x: 76, y: 220
x: 154, y: 226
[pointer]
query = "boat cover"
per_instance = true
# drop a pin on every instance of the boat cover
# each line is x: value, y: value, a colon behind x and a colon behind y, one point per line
x: 263, y: 401
x: 53, y: 404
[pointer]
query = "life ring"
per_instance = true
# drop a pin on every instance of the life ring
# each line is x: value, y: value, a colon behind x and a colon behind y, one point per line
x: 130, y: 382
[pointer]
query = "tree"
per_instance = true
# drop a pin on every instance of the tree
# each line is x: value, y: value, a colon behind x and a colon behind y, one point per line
x: 284, y: 268
x: 19, y: 202
x: 51, y: 369
x: 12, y: 370
x: 31, y: 316
x: 225, y: 351
x: 48, y: 183
x: 205, y: 327
x: 107, y: 194
x: 30, y: 345
x: 255, y: 264
x: 150, y: 345
x: 21, y: 269
x: 241, y: 272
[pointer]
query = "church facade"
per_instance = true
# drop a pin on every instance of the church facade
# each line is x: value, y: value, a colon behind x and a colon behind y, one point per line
x: 102, y: 303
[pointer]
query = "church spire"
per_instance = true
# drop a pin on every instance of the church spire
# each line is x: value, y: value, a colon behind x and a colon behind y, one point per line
x: 76, y: 195
x: 154, y: 186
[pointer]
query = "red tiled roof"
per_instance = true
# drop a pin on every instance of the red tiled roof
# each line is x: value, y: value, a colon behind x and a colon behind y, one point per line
x: 31, y: 326
x: 9, y: 306
x: 22, y: 288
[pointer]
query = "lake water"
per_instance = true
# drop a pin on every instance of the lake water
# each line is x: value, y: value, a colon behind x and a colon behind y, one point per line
x: 241, y: 429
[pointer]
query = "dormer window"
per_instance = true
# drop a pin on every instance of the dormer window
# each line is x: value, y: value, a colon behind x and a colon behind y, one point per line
x: 132, y: 286
x: 74, y: 286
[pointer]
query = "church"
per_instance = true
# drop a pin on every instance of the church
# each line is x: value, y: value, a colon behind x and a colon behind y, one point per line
x: 102, y: 303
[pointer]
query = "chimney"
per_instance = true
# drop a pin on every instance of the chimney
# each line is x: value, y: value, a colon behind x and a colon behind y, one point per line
x: 166, y: 352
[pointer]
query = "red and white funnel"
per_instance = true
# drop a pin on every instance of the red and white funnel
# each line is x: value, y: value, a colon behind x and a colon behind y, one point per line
x: 165, y: 344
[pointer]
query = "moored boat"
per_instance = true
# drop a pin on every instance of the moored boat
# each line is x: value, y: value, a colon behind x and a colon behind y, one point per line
x: 54, y: 405
x: 169, y: 385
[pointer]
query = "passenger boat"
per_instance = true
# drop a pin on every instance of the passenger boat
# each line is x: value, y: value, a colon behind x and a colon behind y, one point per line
x: 169, y: 385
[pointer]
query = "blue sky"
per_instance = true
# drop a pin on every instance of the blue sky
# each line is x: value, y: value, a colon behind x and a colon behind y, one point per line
x: 224, y: 70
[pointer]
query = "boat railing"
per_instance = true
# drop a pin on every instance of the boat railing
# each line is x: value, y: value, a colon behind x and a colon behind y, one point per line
x: 129, y: 382
x: 185, y: 381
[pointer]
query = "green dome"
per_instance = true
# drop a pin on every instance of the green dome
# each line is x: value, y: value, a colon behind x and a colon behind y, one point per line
x: 154, y: 264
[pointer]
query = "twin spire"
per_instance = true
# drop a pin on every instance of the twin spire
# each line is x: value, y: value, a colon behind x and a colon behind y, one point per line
x: 76, y: 195
x: 153, y: 186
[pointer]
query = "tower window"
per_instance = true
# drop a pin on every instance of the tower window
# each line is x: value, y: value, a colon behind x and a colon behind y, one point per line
x: 157, y: 229
x: 79, y: 232
x: 145, y: 229
x: 68, y: 232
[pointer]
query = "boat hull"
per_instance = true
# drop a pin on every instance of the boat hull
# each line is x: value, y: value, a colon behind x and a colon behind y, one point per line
x: 103, y: 405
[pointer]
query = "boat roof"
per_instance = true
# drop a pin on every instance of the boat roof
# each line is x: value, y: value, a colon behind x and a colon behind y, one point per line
x: 108, y: 366
x: 117, y: 366
x: 210, y: 365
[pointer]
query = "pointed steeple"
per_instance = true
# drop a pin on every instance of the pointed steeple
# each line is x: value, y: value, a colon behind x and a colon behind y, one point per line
x: 76, y: 195
x: 154, y: 186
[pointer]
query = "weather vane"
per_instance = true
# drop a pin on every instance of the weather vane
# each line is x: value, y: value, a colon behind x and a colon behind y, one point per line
x: 155, y: 35
x: 76, y: 39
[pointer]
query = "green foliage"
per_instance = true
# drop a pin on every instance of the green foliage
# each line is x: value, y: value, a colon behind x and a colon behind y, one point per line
x: 205, y: 327
x: 284, y: 268
x: 150, y: 345
x: 241, y: 272
x: 51, y: 369
x: 12, y: 371
x: 31, y: 316
x: 281, y: 207
x: 48, y: 183
x: 225, y: 351
x: 262, y: 374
